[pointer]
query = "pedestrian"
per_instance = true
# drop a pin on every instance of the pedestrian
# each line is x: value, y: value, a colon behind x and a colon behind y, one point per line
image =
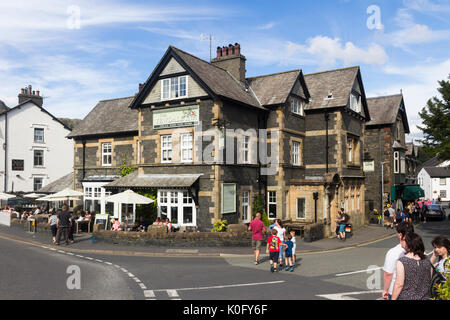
x: 440, y: 258
x: 52, y: 222
x: 273, y: 249
x: 257, y: 228
x: 72, y: 228
x: 288, y: 254
x: 294, y: 241
x: 392, y: 256
x: 414, y: 271
x: 63, y: 224
x: 391, y: 212
x: 281, y: 232
x: 340, y: 221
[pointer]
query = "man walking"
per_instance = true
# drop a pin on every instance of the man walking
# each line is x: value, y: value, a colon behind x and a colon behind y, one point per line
x: 257, y: 227
x: 63, y: 223
x: 392, y: 256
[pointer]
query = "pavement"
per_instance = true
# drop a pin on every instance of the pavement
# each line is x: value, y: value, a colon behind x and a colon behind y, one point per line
x: 85, y: 244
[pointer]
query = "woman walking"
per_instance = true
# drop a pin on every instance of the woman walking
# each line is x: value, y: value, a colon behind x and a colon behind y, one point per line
x: 414, y: 271
x: 52, y: 221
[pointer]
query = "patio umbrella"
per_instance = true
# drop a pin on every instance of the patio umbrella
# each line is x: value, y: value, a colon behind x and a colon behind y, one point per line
x: 6, y: 196
x: 33, y: 195
x: 66, y: 193
x: 50, y: 199
x: 128, y: 197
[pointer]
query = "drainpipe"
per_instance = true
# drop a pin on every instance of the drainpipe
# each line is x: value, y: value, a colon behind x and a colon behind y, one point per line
x: 6, y: 152
x: 327, y: 118
x: 84, y: 159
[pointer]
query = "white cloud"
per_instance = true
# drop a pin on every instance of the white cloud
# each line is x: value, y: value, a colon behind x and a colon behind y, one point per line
x: 419, y: 83
x: 266, y: 26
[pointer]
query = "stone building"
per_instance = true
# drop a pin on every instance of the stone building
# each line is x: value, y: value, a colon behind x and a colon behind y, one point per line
x: 210, y: 141
x: 386, y: 147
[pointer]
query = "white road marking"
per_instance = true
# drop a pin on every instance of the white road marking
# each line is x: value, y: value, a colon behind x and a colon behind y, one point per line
x: 149, y: 293
x: 143, y: 287
x: 224, y: 286
x: 355, y: 272
x: 345, y: 295
x: 173, y: 293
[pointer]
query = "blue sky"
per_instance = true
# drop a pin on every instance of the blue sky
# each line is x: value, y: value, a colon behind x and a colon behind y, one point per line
x: 78, y: 52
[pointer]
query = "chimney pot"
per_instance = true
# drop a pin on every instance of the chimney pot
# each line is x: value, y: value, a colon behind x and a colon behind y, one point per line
x: 22, y: 91
x: 141, y: 85
x: 219, y: 52
x: 224, y: 51
x: 37, y: 93
x: 237, y: 48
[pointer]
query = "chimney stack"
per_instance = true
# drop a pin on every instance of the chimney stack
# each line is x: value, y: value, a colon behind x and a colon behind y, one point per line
x: 28, y: 94
x: 230, y: 58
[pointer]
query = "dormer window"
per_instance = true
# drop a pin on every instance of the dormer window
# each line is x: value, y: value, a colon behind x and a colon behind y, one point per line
x: 330, y: 95
x: 174, y: 88
x: 355, y: 102
x: 297, y: 106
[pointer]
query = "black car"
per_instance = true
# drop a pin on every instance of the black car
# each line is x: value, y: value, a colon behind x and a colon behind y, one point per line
x: 434, y: 211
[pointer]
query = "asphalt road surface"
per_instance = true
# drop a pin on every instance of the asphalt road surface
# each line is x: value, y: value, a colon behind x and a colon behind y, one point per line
x: 41, y: 272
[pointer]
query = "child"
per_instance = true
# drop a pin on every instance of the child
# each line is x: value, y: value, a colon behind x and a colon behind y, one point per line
x: 273, y: 248
x: 288, y: 256
x: 292, y: 233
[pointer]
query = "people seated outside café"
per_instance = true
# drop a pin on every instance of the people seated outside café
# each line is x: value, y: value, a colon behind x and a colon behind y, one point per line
x: 158, y: 222
x: 115, y: 225
x: 143, y: 225
x: 168, y: 225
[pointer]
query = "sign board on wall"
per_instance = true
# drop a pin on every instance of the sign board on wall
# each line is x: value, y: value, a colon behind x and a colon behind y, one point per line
x: 176, y: 117
x: 369, y: 166
x: 17, y: 165
x: 5, y: 218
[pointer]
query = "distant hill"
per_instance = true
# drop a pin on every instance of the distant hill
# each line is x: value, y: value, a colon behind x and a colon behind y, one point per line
x: 71, y: 123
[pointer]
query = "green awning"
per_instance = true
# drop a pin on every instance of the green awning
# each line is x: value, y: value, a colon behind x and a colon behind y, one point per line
x: 407, y: 193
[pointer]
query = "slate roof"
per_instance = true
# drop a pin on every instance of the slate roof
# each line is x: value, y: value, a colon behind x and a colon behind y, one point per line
x: 3, y: 107
x: 438, y: 172
x: 275, y: 88
x: 136, y: 180
x: 384, y: 110
x: 58, y: 185
x: 108, y: 117
x: 339, y: 82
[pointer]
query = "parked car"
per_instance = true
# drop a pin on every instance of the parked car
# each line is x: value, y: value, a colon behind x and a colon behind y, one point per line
x: 434, y: 211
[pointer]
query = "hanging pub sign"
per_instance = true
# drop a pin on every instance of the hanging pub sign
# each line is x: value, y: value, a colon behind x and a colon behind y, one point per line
x: 369, y: 166
x: 176, y: 117
x: 17, y: 165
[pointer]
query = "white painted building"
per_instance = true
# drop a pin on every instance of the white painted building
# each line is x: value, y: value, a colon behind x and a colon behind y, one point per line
x: 435, y: 181
x: 35, y: 150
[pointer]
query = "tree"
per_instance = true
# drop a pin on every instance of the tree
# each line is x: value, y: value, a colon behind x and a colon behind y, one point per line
x: 436, y: 123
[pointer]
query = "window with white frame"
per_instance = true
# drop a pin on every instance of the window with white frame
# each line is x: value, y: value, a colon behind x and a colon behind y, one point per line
x: 443, y: 193
x: 186, y: 147
x: 38, y: 158
x: 296, y: 153
x: 106, y: 154
x: 173, y: 88
x: 301, y: 212
x: 442, y: 181
x: 245, y: 150
x: 272, y: 204
x: 245, y: 206
x: 355, y: 102
x: 37, y: 183
x: 178, y: 206
x: 166, y: 148
x: 39, y: 135
x: 297, y: 106
x: 396, y: 162
x: 349, y: 150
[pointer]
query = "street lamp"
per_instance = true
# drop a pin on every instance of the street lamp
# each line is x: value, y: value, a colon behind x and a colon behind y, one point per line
x: 382, y: 191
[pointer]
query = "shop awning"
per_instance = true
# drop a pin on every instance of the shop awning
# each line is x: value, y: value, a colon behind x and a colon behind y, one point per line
x: 136, y: 180
x: 407, y: 192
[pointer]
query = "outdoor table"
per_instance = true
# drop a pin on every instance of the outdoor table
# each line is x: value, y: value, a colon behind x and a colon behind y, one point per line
x: 83, y: 222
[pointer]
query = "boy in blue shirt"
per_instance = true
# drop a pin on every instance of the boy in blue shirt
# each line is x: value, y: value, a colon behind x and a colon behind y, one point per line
x: 288, y: 254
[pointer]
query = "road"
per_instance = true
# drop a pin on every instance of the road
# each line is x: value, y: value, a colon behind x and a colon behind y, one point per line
x: 41, y: 272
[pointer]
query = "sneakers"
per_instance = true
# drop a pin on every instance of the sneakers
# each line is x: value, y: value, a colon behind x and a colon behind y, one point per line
x: 272, y: 269
x: 287, y: 268
x: 291, y: 269
x: 256, y: 262
x: 275, y: 270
